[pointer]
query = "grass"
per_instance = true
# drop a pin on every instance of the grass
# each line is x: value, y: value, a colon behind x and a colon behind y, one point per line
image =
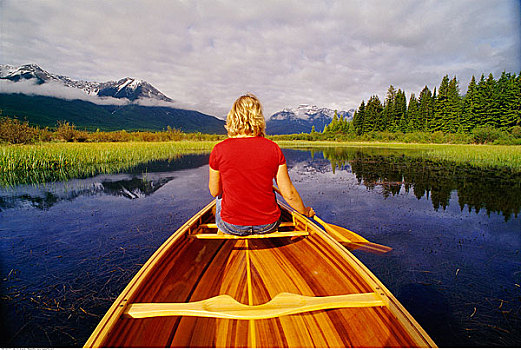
x: 495, y: 156
x: 46, y: 162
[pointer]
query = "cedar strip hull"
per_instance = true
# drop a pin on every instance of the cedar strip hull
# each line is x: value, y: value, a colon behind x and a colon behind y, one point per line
x: 187, y: 269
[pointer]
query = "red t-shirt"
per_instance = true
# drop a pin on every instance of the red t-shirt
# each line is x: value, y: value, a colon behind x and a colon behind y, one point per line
x: 247, y: 167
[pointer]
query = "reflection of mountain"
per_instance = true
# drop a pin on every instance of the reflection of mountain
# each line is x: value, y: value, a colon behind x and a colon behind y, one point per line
x: 133, y: 188
x: 495, y: 190
x: 129, y: 188
x: 138, y: 182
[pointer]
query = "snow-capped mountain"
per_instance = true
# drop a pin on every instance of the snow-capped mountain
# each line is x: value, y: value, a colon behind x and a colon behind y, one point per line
x: 129, y: 88
x: 302, y: 119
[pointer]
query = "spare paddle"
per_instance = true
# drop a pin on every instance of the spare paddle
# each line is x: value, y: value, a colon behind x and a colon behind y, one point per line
x: 348, y: 238
x: 352, y: 240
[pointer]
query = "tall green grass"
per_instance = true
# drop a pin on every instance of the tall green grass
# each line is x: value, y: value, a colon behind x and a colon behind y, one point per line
x: 36, y: 164
x: 491, y: 156
x: 46, y: 162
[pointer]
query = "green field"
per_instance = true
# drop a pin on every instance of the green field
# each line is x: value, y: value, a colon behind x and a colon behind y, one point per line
x: 495, y: 156
x: 47, y: 162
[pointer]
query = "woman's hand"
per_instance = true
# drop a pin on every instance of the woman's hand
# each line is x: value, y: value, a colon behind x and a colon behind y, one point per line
x: 309, y: 212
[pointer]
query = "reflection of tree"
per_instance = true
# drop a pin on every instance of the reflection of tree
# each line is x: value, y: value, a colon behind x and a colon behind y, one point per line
x: 495, y: 190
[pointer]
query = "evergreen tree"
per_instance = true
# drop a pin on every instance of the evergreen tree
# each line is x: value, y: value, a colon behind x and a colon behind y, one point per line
x: 426, y: 109
x: 485, y: 113
x: 454, y: 107
x: 358, y: 119
x: 413, y: 115
x: 387, y: 121
x: 486, y: 103
x: 373, y: 112
x: 507, y: 97
x: 400, y: 110
x: 515, y: 98
x: 468, y: 118
x: 441, y: 106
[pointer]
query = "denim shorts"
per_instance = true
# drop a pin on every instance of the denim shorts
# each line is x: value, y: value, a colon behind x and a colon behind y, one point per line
x: 240, y: 230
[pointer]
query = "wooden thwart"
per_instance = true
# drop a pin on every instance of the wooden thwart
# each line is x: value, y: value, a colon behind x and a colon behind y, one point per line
x: 220, y: 235
x: 212, y: 225
x: 224, y: 306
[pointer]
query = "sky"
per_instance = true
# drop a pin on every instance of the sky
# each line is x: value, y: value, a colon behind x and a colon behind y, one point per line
x: 205, y: 54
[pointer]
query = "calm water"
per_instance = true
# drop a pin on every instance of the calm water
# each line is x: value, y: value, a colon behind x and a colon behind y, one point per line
x: 68, y: 249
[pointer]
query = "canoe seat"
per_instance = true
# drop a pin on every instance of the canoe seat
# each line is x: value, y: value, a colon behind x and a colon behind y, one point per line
x: 283, y: 304
x: 221, y: 235
x: 276, y: 234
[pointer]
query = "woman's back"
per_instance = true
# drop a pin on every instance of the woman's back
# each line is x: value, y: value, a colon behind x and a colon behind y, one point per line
x: 248, y: 166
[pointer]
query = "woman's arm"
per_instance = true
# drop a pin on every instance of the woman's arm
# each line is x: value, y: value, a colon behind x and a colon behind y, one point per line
x: 214, y: 184
x: 289, y: 192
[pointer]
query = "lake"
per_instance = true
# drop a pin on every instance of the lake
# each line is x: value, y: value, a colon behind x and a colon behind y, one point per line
x: 69, y: 248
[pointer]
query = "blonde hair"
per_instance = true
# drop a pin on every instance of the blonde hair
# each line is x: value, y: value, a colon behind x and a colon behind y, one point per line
x: 246, y: 118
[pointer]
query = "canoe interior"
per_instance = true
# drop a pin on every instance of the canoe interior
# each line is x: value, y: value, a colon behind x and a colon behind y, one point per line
x: 187, y: 269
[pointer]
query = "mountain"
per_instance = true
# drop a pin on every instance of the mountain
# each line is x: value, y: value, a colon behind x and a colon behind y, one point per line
x: 47, y: 111
x: 113, y: 105
x: 302, y: 119
x: 129, y: 88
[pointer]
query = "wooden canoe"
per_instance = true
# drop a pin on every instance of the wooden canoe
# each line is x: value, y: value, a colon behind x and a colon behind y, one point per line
x: 295, y: 288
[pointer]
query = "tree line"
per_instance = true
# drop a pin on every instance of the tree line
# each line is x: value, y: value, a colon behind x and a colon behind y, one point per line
x: 488, y: 103
x: 15, y: 131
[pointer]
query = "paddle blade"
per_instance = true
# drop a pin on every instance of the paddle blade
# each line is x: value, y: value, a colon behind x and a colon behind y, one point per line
x: 352, y: 240
x: 369, y: 247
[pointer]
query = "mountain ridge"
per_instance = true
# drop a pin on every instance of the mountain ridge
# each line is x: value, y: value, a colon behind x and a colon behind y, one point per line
x: 302, y: 119
x: 130, y: 88
x: 46, y: 111
x: 113, y: 105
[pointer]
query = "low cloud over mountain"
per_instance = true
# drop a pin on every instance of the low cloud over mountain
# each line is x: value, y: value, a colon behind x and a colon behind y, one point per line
x: 303, y: 119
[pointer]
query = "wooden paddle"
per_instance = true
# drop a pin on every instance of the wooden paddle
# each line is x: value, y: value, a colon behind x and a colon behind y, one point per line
x: 352, y: 240
x: 348, y: 238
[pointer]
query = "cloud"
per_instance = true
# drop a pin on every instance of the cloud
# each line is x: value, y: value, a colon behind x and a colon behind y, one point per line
x: 204, y: 54
x: 55, y: 89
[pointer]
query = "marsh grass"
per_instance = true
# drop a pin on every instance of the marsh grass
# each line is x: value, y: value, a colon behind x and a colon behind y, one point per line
x: 490, y: 156
x: 47, y: 162
x: 37, y: 164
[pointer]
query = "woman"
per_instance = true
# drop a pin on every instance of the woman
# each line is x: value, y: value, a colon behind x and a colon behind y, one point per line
x: 242, y: 169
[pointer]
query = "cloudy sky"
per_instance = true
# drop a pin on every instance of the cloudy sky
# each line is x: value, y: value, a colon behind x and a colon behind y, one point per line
x: 204, y: 54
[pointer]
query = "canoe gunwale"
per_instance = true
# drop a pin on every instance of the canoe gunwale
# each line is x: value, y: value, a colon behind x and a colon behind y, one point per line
x: 118, y: 307
x: 189, y: 230
x: 396, y: 308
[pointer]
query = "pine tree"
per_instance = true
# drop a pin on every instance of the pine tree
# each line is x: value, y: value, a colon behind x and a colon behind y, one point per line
x: 517, y: 101
x: 387, y: 121
x: 400, y: 110
x: 454, y: 107
x: 441, y: 106
x: 426, y: 109
x: 373, y: 113
x: 358, y: 119
x: 487, y: 101
x: 506, y: 101
x: 468, y: 118
x: 413, y: 114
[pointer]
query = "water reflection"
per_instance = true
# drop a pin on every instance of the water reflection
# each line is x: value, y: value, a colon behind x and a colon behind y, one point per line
x: 494, y: 190
x: 137, y: 182
x: 93, y: 235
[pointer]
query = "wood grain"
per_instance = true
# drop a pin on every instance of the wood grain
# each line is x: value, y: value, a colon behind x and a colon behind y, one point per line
x: 253, y: 272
